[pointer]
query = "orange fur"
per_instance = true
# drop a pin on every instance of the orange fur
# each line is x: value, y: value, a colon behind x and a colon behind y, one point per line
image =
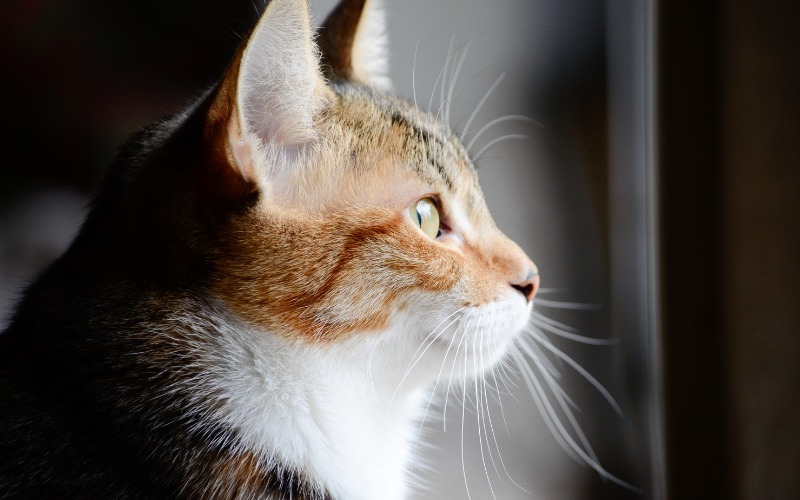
x: 329, y: 252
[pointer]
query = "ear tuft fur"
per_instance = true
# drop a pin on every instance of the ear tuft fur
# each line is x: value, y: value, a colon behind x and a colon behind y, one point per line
x: 280, y: 89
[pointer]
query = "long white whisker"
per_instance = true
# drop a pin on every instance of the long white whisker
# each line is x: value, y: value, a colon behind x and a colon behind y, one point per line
x: 543, y: 360
x: 496, y: 141
x: 506, y: 378
x: 587, y: 454
x: 450, y: 380
x: 435, y: 386
x: 483, y: 100
x: 557, y: 304
x: 586, y: 458
x: 543, y: 405
x: 442, y: 76
x: 557, y: 392
x: 463, y: 416
x: 538, y: 358
x: 488, y: 413
x: 578, y: 368
x: 414, y: 76
x: 486, y: 417
x: 557, y: 324
x: 497, y: 445
x: 555, y: 328
x: 495, y: 375
x: 424, y: 346
x: 457, y: 71
x: 478, y: 356
x: 448, y: 61
x: 497, y: 121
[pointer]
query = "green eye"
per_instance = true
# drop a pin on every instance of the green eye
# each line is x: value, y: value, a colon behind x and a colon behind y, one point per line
x: 425, y: 216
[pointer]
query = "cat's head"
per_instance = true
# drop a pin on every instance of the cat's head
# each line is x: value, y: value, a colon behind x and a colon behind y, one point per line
x: 366, y: 226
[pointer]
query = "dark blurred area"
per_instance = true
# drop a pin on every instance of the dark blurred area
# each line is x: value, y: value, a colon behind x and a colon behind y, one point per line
x: 81, y: 76
x: 728, y: 126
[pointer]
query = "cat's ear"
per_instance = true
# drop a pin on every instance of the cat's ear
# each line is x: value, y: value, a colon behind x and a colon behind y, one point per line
x: 274, y: 91
x: 354, y: 43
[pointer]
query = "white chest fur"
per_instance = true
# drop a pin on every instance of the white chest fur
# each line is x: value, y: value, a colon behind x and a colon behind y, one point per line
x: 318, y: 409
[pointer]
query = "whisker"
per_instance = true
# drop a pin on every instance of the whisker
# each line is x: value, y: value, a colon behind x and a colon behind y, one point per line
x: 414, y: 75
x: 557, y: 324
x: 543, y: 405
x: 500, y: 400
x: 442, y: 76
x: 426, y: 343
x: 450, y: 380
x: 463, y: 416
x: 547, y: 365
x: 494, y: 437
x: 497, y: 445
x: 478, y: 351
x: 562, y: 431
x: 497, y: 390
x: 448, y: 60
x: 506, y: 378
x: 558, y: 393
x: 464, y: 53
x: 578, y: 368
x: 557, y: 304
x: 496, y: 141
x: 498, y: 121
x: 574, y: 446
x: 483, y: 100
x: 433, y: 392
x: 488, y: 415
x: 538, y: 359
x: 554, y: 327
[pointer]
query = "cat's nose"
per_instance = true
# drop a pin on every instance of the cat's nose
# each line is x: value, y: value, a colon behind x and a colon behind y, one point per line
x: 529, y: 285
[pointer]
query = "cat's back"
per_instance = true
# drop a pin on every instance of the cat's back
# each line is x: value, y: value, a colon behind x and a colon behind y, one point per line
x: 68, y: 341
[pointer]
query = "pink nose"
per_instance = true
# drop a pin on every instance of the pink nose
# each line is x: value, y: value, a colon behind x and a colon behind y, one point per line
x: 528, y: 286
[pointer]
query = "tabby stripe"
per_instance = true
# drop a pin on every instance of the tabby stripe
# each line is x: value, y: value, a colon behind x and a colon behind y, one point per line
x: 427, y: 138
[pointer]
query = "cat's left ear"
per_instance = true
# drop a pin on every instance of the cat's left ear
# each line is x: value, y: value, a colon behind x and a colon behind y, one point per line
x: 354, y: 44
x: 269, y: 101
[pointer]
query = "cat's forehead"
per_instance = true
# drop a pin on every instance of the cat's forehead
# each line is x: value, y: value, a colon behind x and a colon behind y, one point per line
x: 416, y: 141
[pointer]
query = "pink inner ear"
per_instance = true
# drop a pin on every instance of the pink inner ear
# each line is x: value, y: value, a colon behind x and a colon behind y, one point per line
x: 280, y: 89
x: 244, y: 154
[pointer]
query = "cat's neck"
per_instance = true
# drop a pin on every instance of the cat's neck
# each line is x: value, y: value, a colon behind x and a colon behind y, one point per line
x: 319, y: 410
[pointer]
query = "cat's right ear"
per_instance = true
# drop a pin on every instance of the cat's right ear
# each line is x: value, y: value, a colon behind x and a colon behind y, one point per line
x: 272, y: 93
x: 354, y: 44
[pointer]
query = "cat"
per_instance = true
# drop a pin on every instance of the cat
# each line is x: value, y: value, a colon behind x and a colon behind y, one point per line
x: 264, y: 290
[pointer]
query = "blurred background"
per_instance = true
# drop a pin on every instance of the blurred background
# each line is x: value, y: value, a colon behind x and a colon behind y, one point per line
x: 657, y: 187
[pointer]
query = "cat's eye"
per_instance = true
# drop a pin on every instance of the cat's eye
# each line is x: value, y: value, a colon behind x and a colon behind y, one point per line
x: 425, y: 215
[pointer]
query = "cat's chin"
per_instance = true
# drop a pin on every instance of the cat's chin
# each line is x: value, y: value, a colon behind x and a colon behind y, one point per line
x: 479, y: 338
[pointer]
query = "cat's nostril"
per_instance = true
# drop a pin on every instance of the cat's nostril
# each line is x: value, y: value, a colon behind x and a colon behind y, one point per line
x: 526, y: 290
x: 528, y: 286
